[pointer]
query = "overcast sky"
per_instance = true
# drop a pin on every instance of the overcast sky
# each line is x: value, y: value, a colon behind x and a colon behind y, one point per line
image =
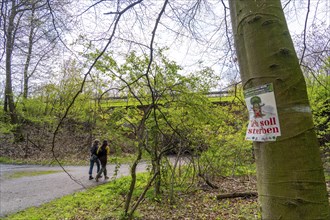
x: 210, y: 50
x: 212, y: 47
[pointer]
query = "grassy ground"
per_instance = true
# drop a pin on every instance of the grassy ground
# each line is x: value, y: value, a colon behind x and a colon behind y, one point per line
x: 198, y: 201
x: 30, y: 173
x: 107, y: 202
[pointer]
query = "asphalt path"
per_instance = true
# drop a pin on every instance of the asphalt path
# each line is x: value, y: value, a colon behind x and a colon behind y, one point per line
x: 17, y: 194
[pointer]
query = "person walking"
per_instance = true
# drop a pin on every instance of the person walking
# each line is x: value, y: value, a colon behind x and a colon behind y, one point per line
x: 94, y: 159
x: 102, y: 153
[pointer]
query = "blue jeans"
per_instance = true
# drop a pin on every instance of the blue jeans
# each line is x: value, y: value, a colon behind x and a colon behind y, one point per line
x: 93, y: 160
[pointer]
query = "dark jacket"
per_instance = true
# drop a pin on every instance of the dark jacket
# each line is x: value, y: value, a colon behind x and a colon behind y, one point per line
x: 102, y: 153
x: 94, y: 149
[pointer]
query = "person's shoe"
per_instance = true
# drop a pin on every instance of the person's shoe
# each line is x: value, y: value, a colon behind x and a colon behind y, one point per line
x: 106, y: 177
x: 96, y: 179
x: 90, y: 177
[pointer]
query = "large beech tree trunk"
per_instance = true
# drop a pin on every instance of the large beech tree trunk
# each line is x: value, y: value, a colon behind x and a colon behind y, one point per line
x: 290, y: 175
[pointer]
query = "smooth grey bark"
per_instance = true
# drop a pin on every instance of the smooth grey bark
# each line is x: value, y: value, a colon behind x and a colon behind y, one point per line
x: 9, y: 103
x: 29, y: 54
x: 9, y: 100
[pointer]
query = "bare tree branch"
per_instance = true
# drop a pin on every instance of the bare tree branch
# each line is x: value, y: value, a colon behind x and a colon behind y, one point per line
x: 305, y: 30
x: 83, y: 84
x: 91, y: 6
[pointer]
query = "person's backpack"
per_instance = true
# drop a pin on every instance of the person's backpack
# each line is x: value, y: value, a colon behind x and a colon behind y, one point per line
x: 101, y: 151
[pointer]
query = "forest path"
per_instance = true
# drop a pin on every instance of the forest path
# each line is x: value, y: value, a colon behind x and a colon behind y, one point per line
x: 17, y: 194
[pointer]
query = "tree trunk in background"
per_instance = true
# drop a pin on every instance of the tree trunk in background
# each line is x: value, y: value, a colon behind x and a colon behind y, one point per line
x: 9, y: 95
x: 9, y: 99
x: 29, y: 53
x: 290, y: 175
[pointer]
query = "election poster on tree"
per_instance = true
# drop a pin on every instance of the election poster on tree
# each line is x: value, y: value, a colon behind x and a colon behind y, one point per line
x: 263, y: 118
